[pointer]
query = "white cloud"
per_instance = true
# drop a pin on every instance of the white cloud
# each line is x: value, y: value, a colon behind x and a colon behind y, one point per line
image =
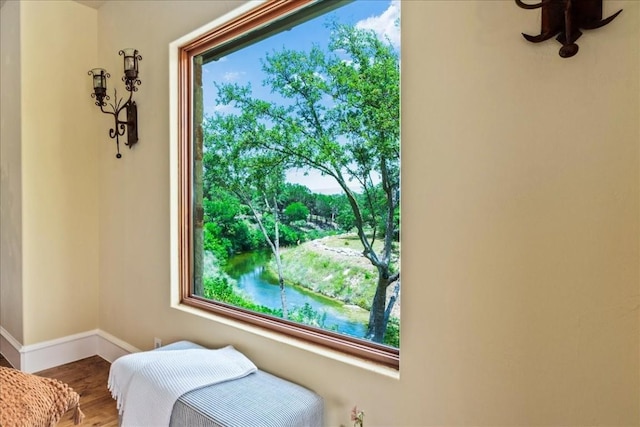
x: 222, y: 108
x: 232, y: 76
x: 318, y: 76
x: 385, y: 25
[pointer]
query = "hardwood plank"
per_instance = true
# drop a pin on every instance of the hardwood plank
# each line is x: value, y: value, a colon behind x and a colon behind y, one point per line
x: 88, y: 377
x: 4, y: 362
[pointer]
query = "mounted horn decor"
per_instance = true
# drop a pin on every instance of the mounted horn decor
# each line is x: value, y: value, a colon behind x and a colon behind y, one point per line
x: 565, y: 18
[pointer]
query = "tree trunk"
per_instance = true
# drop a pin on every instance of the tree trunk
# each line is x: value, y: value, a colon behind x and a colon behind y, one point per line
x: 392, y: 302
x: 275, y: 246
x: 377, y: 318
x: 283, y: 296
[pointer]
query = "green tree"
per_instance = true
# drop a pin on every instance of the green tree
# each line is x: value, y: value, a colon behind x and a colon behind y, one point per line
x: 296, y: 211
x: 254, y: 176
x: 326, y: 206
x: 339, y: 115
x: 295, y: 193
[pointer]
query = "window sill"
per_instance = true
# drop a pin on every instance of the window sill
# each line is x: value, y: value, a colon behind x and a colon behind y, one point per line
x: 297, y: 343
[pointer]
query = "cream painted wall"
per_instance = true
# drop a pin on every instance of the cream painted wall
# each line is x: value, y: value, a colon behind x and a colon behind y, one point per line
x: 520, y: 214
x: 530, y: 216
x: 134, y: 202
x: 59, y: 170
x: 10, y: 173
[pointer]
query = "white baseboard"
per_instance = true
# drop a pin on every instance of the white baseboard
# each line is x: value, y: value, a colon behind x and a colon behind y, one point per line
x: 10, y: 348
x: 48, y: 354
x: 110, y: 347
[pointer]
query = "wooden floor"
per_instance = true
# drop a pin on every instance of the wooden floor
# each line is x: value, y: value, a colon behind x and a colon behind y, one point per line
x: 4, y: 362
x: 88, y: 377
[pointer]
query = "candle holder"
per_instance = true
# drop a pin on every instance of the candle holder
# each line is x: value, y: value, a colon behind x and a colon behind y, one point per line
x: 131, y: 81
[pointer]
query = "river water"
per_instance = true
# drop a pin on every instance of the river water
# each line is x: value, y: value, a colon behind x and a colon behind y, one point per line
x: 249, y: 271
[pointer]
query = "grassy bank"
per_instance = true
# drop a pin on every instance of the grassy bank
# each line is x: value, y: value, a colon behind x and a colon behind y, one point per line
x: 331, y: 267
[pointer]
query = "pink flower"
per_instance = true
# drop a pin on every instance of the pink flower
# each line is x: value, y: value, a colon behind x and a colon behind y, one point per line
x: 357, y: 416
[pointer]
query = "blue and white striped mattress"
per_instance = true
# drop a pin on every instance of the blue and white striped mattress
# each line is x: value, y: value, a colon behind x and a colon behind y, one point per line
x: 259, y: 399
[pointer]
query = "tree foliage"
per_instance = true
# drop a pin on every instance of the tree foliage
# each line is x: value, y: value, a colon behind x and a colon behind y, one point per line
x: 296, y: 211
x: 338, y: 113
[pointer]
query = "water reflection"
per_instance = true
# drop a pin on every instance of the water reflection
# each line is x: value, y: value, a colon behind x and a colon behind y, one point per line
x: 249, y: 271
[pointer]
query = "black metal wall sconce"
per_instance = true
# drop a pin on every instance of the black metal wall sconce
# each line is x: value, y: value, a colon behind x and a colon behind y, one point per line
x: 130, y: 79
x: 565, y: 18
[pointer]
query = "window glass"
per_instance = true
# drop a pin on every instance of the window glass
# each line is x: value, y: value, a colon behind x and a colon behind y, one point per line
x: 295, y: 196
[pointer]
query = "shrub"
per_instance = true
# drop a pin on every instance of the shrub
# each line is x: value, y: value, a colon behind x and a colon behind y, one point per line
x: 220, y: 289
x: 392, y: 333
x: 296, y: 211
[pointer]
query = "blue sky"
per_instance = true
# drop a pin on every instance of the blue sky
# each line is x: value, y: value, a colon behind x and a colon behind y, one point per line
x: 244, y: 66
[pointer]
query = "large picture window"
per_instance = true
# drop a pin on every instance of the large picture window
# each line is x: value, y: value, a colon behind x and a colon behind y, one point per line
x: 290, y: 172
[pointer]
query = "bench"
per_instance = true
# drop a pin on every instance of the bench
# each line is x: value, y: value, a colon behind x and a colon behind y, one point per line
x: 258, y: 399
